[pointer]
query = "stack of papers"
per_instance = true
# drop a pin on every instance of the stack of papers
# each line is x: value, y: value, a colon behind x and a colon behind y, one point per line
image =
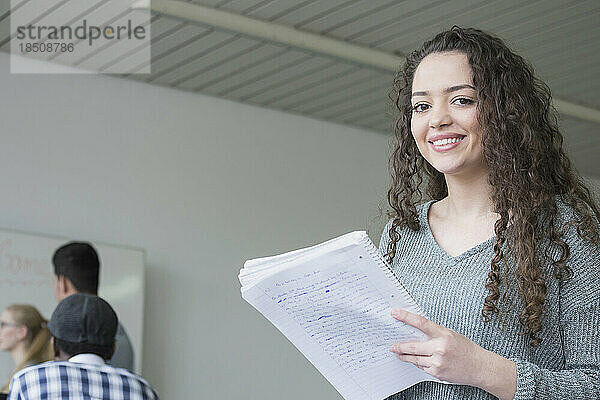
x: 333, y: 302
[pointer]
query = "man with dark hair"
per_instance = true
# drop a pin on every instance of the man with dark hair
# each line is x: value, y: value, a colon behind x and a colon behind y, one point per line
x: 77, y: 270
x: 83, y: 328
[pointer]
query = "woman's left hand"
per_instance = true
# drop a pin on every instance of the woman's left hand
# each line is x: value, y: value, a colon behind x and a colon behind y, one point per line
x: 447, y: 355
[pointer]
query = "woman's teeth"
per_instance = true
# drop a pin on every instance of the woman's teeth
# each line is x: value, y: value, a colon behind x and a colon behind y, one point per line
x: 443, y: 142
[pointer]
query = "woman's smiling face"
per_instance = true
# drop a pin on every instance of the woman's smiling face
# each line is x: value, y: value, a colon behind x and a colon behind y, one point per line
x: 444, y: 118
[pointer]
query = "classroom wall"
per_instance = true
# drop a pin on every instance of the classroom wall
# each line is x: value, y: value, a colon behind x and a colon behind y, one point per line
x: 201, y: 184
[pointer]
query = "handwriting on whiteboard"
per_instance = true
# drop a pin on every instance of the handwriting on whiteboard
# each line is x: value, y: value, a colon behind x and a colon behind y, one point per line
x: 18, y: 270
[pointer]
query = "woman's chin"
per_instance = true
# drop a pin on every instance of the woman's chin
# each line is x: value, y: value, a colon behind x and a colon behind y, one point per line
x: 459, y: 168
x: 449, y: 169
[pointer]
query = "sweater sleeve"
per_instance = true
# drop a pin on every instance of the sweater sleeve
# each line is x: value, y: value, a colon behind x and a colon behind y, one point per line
x: 579, y: 304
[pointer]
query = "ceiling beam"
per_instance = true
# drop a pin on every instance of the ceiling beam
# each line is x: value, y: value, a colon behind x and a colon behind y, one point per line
x: 288, y: 36
x: 273, y: 32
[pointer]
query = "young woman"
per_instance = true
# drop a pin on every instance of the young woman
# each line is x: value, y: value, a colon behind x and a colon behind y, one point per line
x: 503, y: 255
x: 23, y: 332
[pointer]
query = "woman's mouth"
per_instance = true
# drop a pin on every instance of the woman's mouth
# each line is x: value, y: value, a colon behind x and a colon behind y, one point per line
x: 446, y: 143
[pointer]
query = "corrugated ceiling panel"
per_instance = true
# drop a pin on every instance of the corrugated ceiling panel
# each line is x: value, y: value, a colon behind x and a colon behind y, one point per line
x: 4, y: 8
x: 256, y: 58
x: 586, y: 161
x: 550, y: 17
x: 399, y: 36
x: 342, y: 94
x: 296, y: 87
x: 577, y: 75
x: 372, y: 99
x: 177, y: 39
x: 336, y: 83
x: 369, y: 127
x: 373, y: 115
x: 586, y: 93
x: 584, y: 89
x: 580, y: 61
x: 556, y: 32
x: 582, y: 92
x: 383, y: 127
x: 274, y: 9
x: 26, y: 12
x: 32, y: 12
x: 107, y: 13
x: 203, y: 62
x: 547, y: 56
x: 70, y: 11
x: 193, y: 49
x: 381, y: 18
x: 5, y: 33
x: 579, y: 134
x: 577, y: 66
x: 375, y: 110
x: 379, y: 115
x: 300, y: 74
x: 278, y: 78
x: 380, y: 124
x: 582, y: 22
x: 369, y: 117
x: 481, y: 15
x: 525, y: 13
x: 209, y: 3
x: 163, y: 25
x: 113, y: 52
x: 260, y: 71
x: 582, y: 142
x: 130, y: 62
x: 307, y: 13
x: 344, y: 15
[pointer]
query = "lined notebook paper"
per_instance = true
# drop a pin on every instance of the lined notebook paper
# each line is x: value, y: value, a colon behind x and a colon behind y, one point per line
x: 333, y: 302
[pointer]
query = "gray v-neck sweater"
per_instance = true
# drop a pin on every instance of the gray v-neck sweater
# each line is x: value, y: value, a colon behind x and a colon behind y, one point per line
x: 451, y: 291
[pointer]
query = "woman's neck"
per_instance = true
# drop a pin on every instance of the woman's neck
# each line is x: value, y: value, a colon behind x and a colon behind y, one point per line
x: 468, y: 196
x: 18, y: 353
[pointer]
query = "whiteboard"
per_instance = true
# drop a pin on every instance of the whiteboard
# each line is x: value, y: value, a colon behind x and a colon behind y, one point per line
x: 26, y: 276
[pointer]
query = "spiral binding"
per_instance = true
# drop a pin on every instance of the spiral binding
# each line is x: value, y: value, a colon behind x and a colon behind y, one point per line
x: 385, y: 267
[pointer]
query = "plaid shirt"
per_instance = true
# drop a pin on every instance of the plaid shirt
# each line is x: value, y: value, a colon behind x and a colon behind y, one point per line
x: 78, y: 381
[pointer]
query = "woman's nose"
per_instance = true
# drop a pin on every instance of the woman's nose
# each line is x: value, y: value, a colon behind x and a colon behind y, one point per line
x: 439, y: 117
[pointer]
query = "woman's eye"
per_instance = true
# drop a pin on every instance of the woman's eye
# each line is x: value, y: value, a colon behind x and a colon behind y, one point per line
x: 420, y: 107
x: 464, y: 101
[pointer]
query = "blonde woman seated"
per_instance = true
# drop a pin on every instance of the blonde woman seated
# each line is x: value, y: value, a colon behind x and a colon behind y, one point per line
x: 23, y: 332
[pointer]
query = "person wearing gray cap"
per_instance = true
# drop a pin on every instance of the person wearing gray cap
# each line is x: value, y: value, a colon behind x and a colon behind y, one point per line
x: 77, y: 270
x: 83, y: 329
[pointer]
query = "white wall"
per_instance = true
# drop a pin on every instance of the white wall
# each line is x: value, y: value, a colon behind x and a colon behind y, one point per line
x: 202, y: 184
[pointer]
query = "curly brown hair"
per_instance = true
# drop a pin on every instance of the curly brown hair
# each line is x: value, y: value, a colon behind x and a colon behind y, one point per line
x: 528, y: 170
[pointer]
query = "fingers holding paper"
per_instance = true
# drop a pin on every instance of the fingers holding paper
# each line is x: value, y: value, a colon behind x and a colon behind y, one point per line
x: 447, y: 355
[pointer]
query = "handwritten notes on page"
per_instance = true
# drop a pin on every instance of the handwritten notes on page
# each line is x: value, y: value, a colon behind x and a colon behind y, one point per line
x: 333, y: 302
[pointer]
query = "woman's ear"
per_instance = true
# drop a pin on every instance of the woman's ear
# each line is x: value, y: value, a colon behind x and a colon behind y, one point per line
x: 22, y: 332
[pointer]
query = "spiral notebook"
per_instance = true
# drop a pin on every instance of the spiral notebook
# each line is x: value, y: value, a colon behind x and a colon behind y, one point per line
x: 333, y: 302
